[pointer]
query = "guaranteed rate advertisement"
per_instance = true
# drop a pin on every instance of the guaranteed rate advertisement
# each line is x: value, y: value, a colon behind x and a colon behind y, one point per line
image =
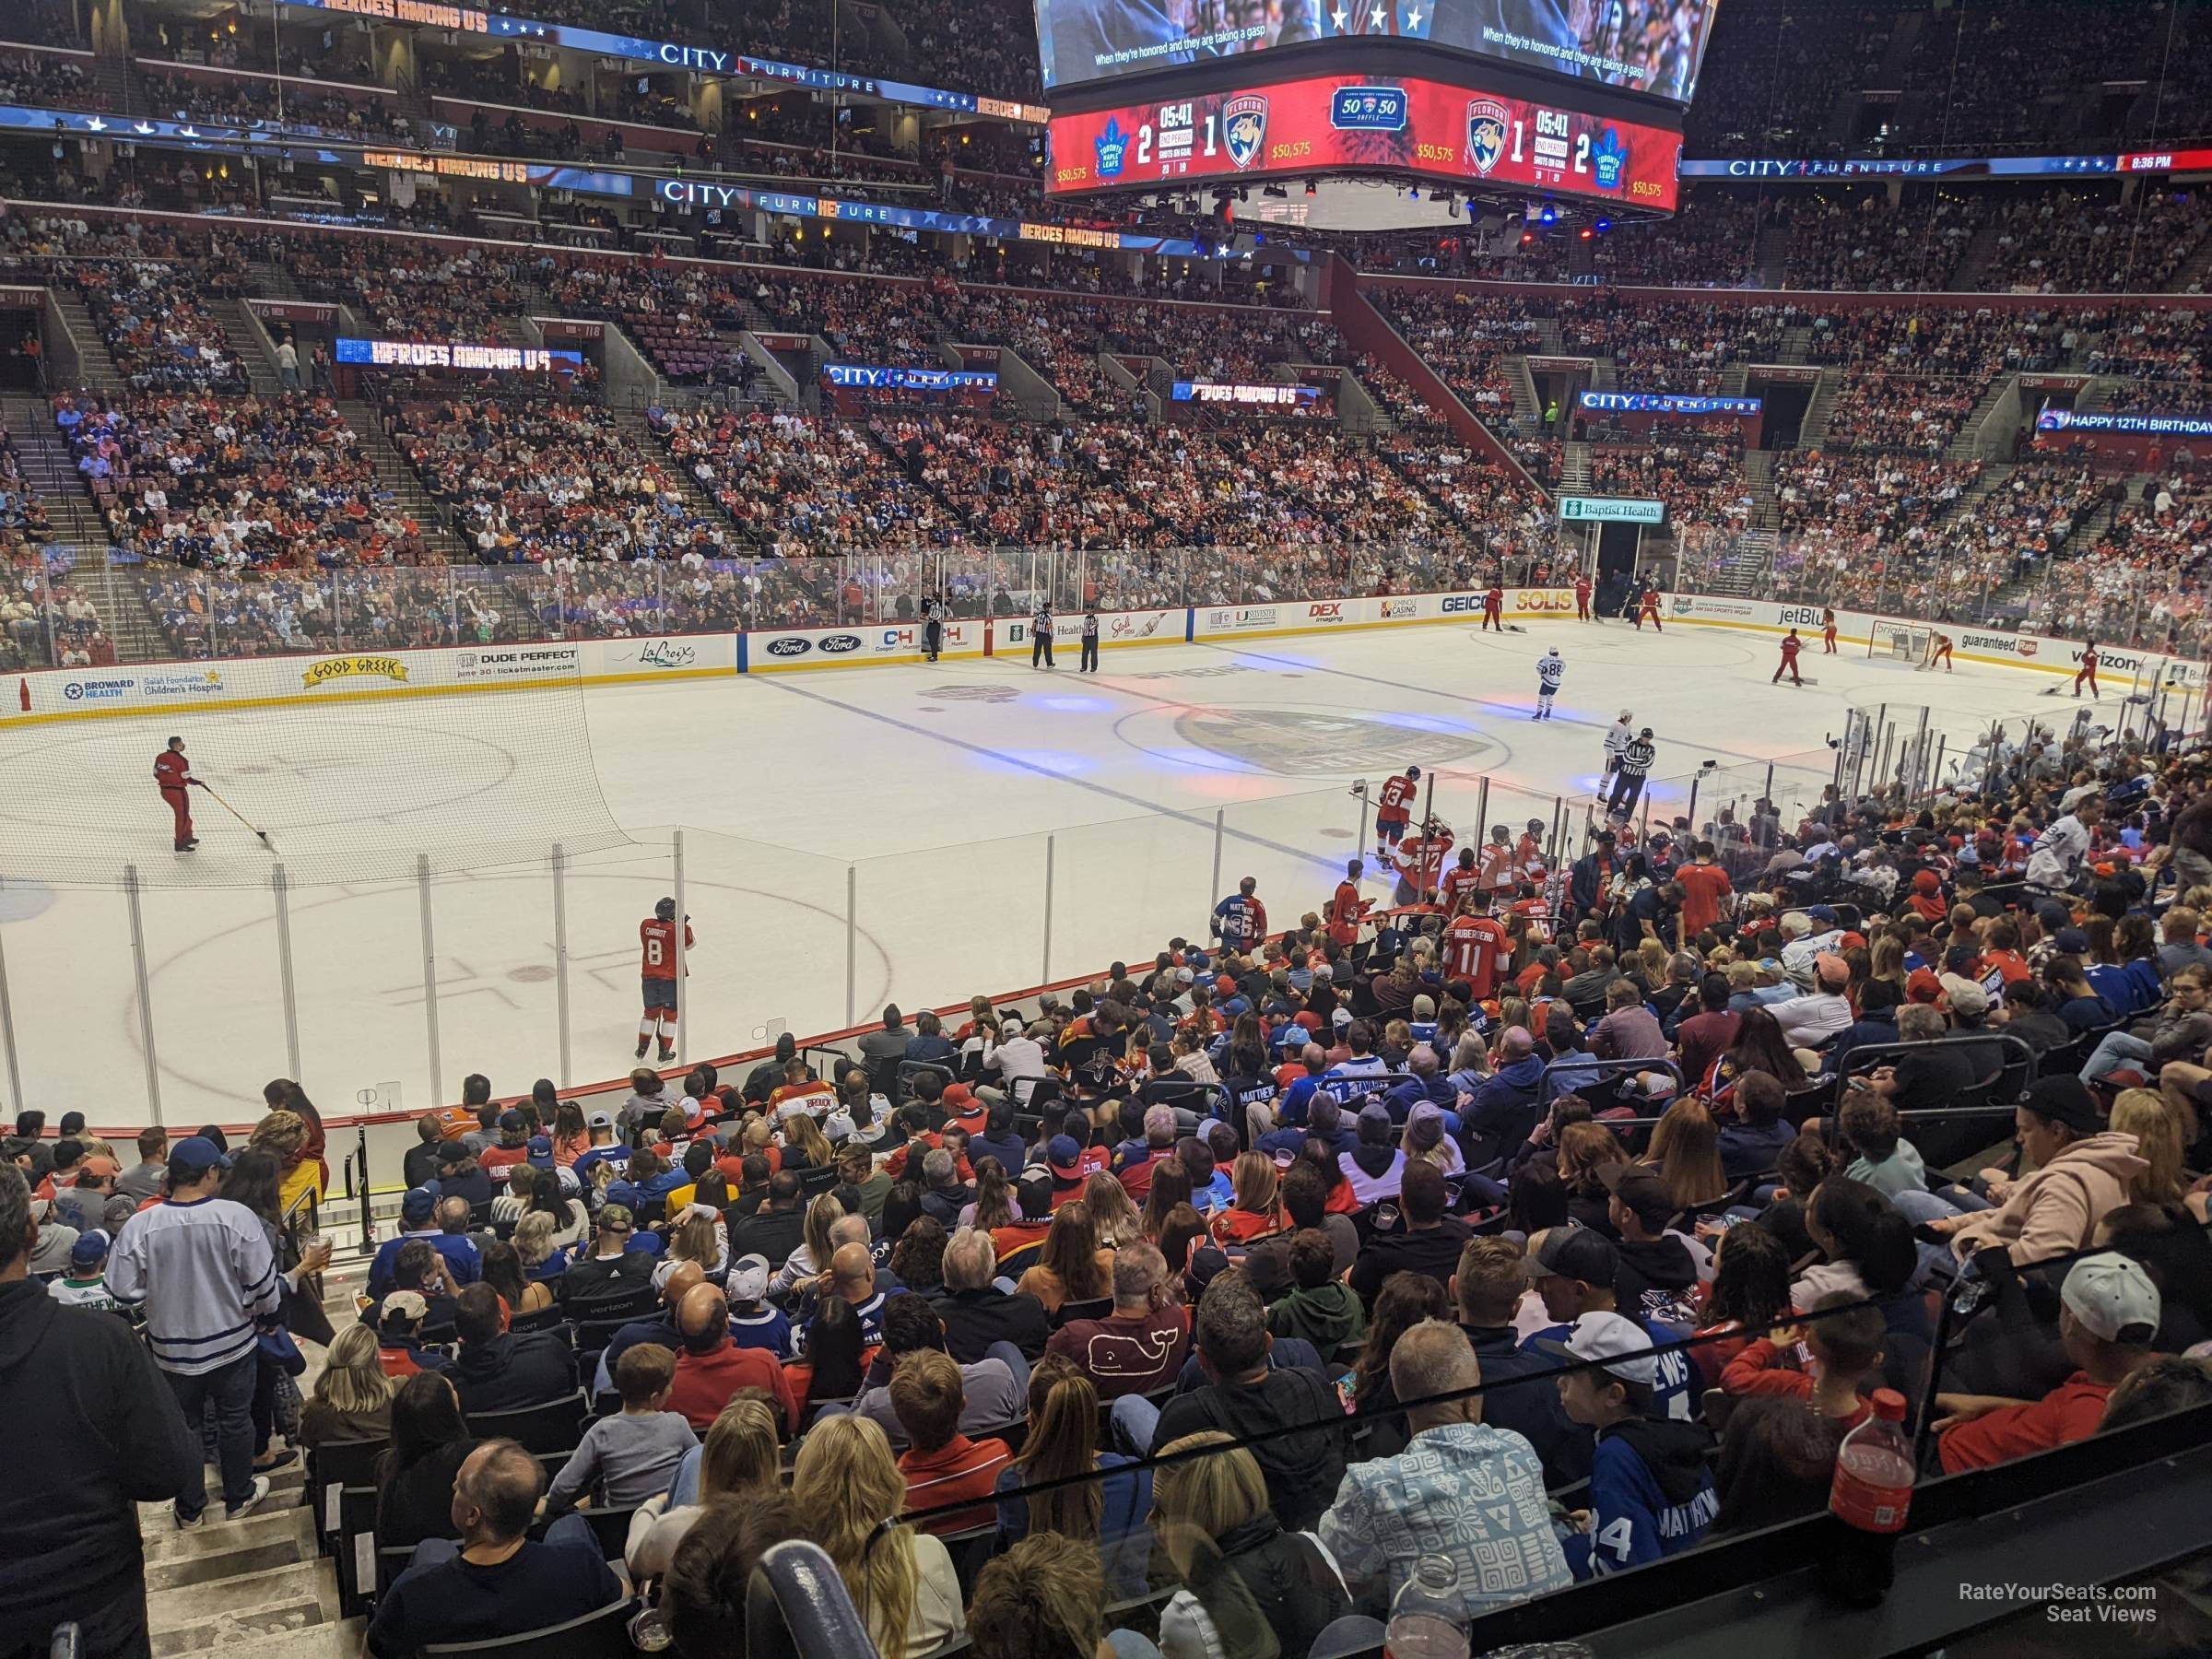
x: 1642, y: 45
x: 1332, y: 124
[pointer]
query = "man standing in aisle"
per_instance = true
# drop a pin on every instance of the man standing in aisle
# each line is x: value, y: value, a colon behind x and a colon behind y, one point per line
x: 1551, y: 668
x: 1089, y: 663
x: 1040, y: 635
x: 202, y: 1270
x: 173, y: 777
x: 1628, y: 784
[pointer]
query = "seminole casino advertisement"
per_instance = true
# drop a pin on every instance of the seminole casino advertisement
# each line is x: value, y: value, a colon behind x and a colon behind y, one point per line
x: 1453, y: 134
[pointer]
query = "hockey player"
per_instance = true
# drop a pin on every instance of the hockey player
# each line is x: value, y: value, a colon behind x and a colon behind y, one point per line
x: 1940, y: 652
x: 656, y: 933
x: 173, y: 777
x: 1551, y: 668
x: 1395, y: 810
x: 1617, y: 738
x: 1828, y: 632
x: 1493, y: 609
x: 1239, y: 920
x: 1476, y: 949
x: 1346, y: 910
x: 1458, y: 881
x: 1528, y: 853
x: 1791, y: 646
x: 1647, y: 609
x: 2088, y: 671
x: 1419, y: 861
x: 1581, y: 598
x: 1497, y: 865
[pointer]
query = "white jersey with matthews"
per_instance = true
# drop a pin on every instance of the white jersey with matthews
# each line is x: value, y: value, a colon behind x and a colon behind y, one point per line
x: 1550, y: 671
x: 2057, y: 851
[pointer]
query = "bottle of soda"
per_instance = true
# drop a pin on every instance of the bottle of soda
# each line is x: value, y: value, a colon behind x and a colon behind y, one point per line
x: 1429, y: 1618
x: 1871, y: 1494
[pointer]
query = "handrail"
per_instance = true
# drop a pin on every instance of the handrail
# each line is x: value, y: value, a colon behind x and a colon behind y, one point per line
x: 796, y: 1607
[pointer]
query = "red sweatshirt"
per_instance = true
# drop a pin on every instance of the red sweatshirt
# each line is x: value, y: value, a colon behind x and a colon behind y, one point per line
x: 2068, y: 1413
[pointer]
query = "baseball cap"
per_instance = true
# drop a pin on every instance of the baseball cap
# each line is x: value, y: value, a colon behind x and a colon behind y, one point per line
x: 1375, y: 1116
x: 1342, y: 1017
x: 1925, y: 985
x: 1614, y: 1341
x: 1640, y: 1190
x: 452, y: 1151
x: 748, y: 1278
x: 1225, y: 984
x: 540, y: 1152
x: 1184, y: 976
x: 1970, y: 999
x: 601, y: 1119
x: 1423, y: 1126
x: 964, y: 1110
x: 2064, y: 1099
x: 1063, y: 1155
x: 407, y: 1304
x: 615, y: 1217
x: 1574, y: 1253
x: 89, y: 1247
x: 2072, y: 941
x: 511, y: 1119
x: 1822, y: 913
x: 418, y: 1205
x: 196, y: 1152
x: 1831, y: 970
x: 2110, y: 1296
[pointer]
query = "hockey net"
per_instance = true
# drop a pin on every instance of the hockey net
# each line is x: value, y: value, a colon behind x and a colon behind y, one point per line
x: 1907, y: 641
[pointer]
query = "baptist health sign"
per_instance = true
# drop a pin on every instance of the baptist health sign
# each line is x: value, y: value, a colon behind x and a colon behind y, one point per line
x: 1607, y: 510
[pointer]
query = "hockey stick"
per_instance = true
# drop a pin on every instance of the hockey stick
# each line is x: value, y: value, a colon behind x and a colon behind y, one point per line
x: 262, y: 834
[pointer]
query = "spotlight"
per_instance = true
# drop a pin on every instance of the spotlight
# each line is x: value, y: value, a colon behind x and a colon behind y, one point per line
x: 1587, y: 233
x: 1550, y: 215
x: 1603, y: 225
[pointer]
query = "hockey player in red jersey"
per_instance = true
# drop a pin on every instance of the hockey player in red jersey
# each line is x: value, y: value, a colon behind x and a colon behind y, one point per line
x: 1475, y: 950
x: 1346, y: 910
x: 1420, y: 862
x: 173, y: 777
x: 1458, y: 881
x: 656, y: 933
x: 1395, y: 810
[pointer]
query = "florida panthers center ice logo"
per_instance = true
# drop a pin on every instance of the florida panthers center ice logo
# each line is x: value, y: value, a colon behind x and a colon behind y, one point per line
x: 1314, y: 743
x: 1244, y: 127
x: 1485, y: 132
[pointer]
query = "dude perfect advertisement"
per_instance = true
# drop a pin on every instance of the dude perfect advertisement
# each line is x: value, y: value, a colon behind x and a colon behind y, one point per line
x: 1332, y: 125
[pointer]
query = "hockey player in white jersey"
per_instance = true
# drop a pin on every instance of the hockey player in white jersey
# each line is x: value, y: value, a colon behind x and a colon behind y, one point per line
x: 1551, y: 668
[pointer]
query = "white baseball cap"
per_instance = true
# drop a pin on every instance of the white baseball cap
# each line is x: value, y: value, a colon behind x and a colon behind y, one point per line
x: 1615, y: 1342
x: 2113, y: 1298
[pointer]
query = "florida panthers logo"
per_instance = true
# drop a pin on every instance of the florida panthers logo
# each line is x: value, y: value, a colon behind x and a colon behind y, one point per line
x: 1244, y: 127
x: 1485, y: 132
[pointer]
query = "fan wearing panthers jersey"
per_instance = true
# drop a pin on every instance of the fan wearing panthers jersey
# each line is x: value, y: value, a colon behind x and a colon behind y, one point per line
x: 1395, y: 814
x: 1475, y: 950
x: 656, y: 935
x: 1551, y: 668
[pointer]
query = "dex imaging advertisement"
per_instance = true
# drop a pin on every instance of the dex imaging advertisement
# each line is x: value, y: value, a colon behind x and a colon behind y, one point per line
x: 1402, y: 125
x: 1643, y: 45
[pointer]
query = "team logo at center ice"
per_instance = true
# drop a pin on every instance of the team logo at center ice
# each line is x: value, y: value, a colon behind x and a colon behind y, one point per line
x: 1300, y: 743
x: 1244, y: 127
x: 1485, y: 132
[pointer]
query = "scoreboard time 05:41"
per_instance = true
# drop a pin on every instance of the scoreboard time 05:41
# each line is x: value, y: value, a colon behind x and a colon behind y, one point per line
x: 1331, y: 124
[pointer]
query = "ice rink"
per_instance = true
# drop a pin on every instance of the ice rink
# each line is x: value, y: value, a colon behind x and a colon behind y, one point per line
x: 994, y: 826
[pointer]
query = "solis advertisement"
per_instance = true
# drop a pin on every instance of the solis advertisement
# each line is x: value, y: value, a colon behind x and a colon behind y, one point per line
x: 1458, y: 134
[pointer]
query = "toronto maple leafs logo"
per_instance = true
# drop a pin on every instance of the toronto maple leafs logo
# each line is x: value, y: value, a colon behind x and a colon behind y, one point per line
x: 1485, y: 132
x: 1112, y: 145
x: 1609, y: 160
x: 1244, y: 127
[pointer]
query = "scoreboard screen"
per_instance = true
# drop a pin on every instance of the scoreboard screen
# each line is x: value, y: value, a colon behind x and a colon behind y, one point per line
x: 1651, y: 46
x: 1455, y: 135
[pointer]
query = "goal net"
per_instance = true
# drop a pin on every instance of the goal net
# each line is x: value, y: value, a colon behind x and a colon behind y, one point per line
x: 350, y: 791
x: 1906, y: 642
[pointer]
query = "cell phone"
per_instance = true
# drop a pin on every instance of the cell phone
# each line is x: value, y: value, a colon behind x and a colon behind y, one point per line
x: 1714, y: 1226
x: 1926, y: 1233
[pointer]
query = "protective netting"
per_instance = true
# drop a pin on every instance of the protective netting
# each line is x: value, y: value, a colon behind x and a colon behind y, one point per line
x: 351, y: 790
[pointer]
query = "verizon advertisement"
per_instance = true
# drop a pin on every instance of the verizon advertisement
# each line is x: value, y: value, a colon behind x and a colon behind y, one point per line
x: 1457, y: 134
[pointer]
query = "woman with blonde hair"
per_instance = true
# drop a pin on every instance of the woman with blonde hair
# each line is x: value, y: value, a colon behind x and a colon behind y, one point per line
x: 1113, y: 1211
x: 541, y: 1261
x: 698, y: 1236
x: 2144, y: 1114
x: 1072, y: 1267
x: 1685, y: 1151
x: 804, y: 1145
x: 1255, y: 1210
x: 1249, y: 1586
x: 739, y: 1458
x: 812, y: 1253
x: 283, y: 1134
x: 353, y: 1397
x: 848, y: 1485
